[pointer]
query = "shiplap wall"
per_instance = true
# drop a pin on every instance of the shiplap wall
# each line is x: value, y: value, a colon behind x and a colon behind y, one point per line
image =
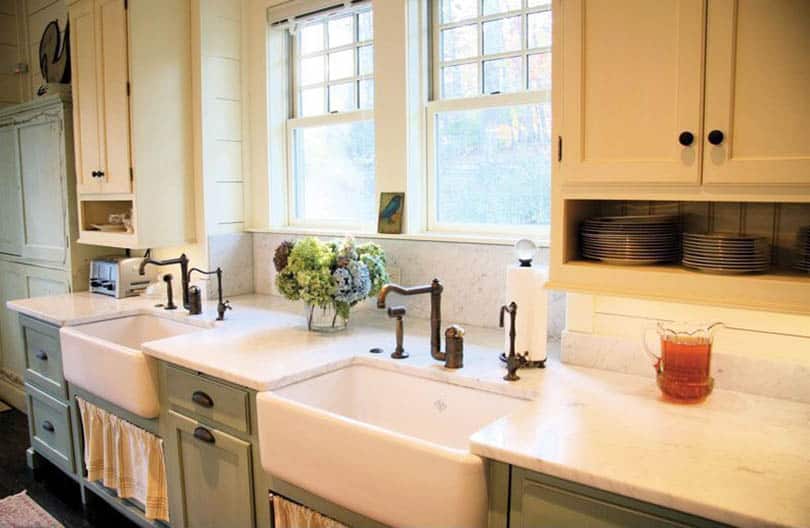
x: 12, y: 51
x: 221, y: 22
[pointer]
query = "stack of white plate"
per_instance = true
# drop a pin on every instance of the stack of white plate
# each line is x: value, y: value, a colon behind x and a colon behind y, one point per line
x: 803, y: 249
x: 726, y: 252
x: 648, y: 239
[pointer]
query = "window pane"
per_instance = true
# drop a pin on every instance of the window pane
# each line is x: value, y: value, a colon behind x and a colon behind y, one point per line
x: 333, y: 172
x: 460, y: 42
x: 366, y: 94
x: 341, y: 97
x: 365, y: 25
x: 540, y: 30
x: 312, y: 70
x: 455, y: 10
x: 540, y: 71
x: 365, y: 59
x: 493, y: 165
x: 502, y: 35
x: 500, y: 6
x: 503, y: 75
x: 341, y: 64
x: 312, y: 101
x: 312, y: 38
x: 460, y: 81
x: 341, y: 31
x: 538, y: 3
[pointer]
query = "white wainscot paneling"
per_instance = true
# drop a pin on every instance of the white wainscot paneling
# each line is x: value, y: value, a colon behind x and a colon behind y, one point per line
x: 223, y: 78
x: 225, y: 161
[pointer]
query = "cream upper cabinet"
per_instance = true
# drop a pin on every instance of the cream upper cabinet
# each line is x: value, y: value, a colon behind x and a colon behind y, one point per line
x: 101, y: 96
x: 632, y: 73
x: 757, y: 92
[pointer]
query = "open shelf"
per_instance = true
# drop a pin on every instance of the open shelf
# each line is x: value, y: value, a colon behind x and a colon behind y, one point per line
x: 781, y: 289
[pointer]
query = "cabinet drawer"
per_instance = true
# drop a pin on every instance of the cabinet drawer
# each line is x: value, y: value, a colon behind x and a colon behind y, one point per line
x: 43, y: 357
x: 208, y: 400
x: 49, y: 424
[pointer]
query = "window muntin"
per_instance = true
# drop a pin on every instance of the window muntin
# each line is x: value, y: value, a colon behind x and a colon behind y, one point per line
x: 489, y: 46
x: 334, y: 63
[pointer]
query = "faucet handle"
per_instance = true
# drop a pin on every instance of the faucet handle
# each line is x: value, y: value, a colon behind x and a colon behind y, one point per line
x: 397, y: 312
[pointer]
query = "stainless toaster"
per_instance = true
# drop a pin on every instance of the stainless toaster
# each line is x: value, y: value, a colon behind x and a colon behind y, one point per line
x: 117, y: 276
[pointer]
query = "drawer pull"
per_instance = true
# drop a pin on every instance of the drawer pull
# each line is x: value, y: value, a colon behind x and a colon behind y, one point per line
x: 204, y: 435
x: 41, y: 355
x: 48, y: 426
x: 202, y: 399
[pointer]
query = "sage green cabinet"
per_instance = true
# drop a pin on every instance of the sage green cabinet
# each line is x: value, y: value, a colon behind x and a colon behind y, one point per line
x: 540, y: 501
x: 212, y: 485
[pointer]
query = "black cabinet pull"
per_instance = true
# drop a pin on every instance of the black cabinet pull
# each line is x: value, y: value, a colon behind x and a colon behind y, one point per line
x: 202, y: 399
x: 41, y: 355
x: 204, y: 435
x: 100, y: 174
x: 716, y: 137
x: 686, y: 138
x: 48, y: 426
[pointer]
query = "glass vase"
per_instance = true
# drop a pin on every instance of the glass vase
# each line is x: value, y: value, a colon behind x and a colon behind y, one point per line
x: 324, y: 319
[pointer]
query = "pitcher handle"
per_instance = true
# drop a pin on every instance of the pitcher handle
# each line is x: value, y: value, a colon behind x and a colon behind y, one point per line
x: 644, y: 333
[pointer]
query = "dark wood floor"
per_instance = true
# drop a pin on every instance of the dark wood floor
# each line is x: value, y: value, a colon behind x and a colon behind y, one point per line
x: 51, y: 488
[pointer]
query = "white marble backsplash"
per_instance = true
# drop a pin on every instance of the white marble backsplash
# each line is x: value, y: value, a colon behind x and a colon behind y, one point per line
x: 776, y: 377
x: 474, y: 277
x: 232, y: 252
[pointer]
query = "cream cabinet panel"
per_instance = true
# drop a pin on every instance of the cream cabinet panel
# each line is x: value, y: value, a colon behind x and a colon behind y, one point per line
x: 758, y: 92
x: 112, y: 27
x: 10, y: 193
x: 88, y: 133
x: 44, y: 207
x: 631, y: 84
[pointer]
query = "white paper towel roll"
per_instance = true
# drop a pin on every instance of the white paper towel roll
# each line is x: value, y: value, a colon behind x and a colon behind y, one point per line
x: 525, y: 286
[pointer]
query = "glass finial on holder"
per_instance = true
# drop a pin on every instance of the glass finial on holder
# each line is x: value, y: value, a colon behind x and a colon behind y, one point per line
x: 525, y: 250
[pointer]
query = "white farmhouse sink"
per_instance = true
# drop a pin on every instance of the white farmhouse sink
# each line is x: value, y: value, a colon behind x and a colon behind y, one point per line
x: 385, y: 444
x: 105, y: 359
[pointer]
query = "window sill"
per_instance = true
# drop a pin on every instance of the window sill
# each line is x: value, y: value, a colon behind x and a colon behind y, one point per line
x: 452, y: 238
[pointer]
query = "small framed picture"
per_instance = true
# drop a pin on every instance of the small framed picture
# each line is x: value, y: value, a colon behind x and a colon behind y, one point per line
x: 389, y: 221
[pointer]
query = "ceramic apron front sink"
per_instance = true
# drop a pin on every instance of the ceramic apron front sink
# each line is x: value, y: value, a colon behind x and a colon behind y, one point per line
x: 105, y: 359
x: 388, y: 445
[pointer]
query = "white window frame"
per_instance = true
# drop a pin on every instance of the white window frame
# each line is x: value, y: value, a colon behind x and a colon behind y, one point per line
x: 438, y: 105
x: 294, y: 123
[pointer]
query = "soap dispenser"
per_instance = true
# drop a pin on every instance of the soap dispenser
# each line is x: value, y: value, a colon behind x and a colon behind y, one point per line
x: 525, y: 286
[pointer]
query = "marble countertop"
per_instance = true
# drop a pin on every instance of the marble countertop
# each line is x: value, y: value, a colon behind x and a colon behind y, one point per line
x: 736, y: 458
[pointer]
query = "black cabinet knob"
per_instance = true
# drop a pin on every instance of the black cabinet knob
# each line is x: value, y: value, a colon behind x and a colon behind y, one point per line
x: 716, y: 137
x: 686, y: 138
x: 48, y: 426
x: 100, y: 174
x: 41, y: 355
x: 94, y: 174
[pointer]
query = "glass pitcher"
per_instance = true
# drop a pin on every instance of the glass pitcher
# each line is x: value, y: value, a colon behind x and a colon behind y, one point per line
x: 683, y: 364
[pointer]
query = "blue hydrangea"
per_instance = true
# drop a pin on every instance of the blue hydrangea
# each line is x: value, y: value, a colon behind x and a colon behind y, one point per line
x: 353, y: 282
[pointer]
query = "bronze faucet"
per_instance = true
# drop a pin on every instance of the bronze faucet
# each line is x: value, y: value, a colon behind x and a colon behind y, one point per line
x: 454, y: 357
x: 182, y: 260
x: 514, y: 360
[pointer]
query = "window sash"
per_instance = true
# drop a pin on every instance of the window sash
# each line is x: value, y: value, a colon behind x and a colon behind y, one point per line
x: 296, y: 56
x: 541, y: 231
x: 436, y: 45
x: 299, y: 123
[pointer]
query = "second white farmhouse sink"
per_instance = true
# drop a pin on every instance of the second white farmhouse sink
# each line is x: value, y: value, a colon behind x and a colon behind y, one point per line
x: 385, y: 444
x: 105, y: 359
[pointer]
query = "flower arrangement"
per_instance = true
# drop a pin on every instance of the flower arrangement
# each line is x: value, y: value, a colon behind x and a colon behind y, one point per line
x: 329, y: 275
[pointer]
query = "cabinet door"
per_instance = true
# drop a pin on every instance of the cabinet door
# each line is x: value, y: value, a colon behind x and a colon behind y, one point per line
x: 210, y: 476
x: 12, y: 286
x: 88, y: 132
x: 758, y: 92
x: 42, y: 167
x: 10, y: 193
x: 111, y: 25
x: 631, y: 84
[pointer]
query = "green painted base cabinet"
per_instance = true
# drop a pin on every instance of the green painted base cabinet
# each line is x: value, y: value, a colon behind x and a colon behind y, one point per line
x: 538, y: 501
x: 216, y: 487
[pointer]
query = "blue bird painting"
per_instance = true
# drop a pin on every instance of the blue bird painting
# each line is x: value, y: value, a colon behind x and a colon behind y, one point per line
x: 390, y: 219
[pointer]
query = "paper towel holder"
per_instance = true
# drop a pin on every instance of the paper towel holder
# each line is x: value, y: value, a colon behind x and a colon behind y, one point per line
x: 525, y: 250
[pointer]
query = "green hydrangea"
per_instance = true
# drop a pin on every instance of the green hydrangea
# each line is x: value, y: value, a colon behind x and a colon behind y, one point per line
x: 308, y: 275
